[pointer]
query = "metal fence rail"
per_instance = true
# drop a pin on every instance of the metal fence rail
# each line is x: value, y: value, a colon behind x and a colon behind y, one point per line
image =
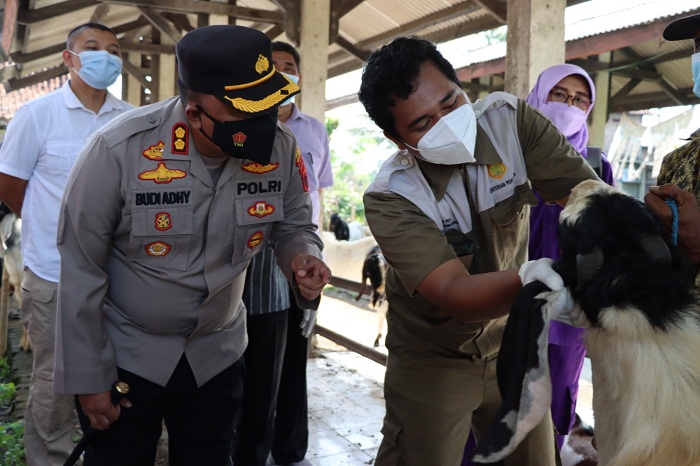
x: 342, y: 340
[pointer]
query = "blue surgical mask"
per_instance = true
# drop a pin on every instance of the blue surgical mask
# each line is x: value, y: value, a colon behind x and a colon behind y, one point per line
x: 98, y: 68
x: 696, y: 73
x: 295, y: 80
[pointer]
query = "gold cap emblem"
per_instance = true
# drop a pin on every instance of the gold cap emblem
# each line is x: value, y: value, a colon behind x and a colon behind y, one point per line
x: 262, y: 65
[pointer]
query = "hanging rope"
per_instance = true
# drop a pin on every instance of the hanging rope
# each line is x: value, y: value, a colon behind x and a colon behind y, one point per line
x: 674, y: 226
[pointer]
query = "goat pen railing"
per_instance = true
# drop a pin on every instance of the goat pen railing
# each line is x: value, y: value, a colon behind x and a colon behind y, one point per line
x: 342, y: 340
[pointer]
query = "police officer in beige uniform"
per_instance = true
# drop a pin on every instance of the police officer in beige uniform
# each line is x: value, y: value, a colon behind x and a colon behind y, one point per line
x: 450, y: 211
x: 162, y: 213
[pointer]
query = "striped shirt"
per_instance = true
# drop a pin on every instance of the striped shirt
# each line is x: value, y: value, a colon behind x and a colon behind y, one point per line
x: 266, y: 288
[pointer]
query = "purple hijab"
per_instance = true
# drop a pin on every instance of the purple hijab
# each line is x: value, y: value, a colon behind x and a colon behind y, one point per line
x: 546, y: 81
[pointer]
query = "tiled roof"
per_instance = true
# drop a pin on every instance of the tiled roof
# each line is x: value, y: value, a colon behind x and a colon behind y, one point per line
x: 11, y: 101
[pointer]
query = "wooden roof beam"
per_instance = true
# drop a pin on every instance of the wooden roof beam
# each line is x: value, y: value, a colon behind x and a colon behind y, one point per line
x: 26, y: 16
x: 210, y: 8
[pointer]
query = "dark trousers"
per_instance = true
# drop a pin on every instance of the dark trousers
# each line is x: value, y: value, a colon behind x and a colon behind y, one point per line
x: 199, y: 420
x: 291, y: 437
x: 267, y: 337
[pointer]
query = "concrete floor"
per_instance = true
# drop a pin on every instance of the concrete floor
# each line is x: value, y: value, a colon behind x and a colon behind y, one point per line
x: 346, y: 401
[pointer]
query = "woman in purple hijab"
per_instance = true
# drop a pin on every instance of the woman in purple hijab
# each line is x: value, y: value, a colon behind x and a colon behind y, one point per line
x: 565, y: 94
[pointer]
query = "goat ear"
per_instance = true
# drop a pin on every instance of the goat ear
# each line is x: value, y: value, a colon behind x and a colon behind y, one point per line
x: 656, y: 249
x: 587, y: 266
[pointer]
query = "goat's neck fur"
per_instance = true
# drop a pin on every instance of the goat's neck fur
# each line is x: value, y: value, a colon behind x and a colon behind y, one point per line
x: 644, y: 329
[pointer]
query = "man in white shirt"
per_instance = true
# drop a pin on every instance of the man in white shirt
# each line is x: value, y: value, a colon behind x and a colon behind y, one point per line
x: 40, y: 146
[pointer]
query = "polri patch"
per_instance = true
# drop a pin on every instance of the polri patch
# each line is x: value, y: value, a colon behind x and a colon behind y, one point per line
x: 255, y: 167
x: 154, y: 152
x: 180, y: 139
x: 157, y: 249
x: 302, y: 170
x: 261, y: 209
x: 162, y: 174
x: 163, y: 221
x: 255, y: 239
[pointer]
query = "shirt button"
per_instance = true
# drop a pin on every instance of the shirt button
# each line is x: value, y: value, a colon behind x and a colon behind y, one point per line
x: 404, y: 162
x: 477, y: 112
x: 151, y: 119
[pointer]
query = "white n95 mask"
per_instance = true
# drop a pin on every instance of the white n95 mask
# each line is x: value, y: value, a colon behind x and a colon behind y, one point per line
x: 451, y: 140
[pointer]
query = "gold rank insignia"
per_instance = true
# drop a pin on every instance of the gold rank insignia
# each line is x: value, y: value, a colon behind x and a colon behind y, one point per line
x: 180, y: 139
x: 154, y: 152
x: 162, y: 174
x: 255, y: 167
x: 302, y: 170
x: 157, y: 249
x: 163, y: 221
x: 497, y: 170
x: 261, y: 209
x: 255, y: 239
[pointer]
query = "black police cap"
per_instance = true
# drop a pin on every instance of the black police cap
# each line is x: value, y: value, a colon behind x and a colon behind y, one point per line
x: 683, y: 28
x: 233, y: 63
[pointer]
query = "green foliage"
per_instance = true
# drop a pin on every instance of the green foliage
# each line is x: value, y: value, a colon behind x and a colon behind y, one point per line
x: 5, y: 370
x: 331, y: 125
x: 12, y: 433
x: 12, y: 444
x: 354, y: 169
x: 496, y: 36
x: 7, y: 393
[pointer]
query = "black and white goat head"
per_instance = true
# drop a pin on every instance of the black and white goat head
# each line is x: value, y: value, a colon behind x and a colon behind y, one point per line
x: 642, y: 315
x: 641, y: 312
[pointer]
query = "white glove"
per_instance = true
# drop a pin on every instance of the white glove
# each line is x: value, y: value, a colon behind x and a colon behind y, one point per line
x: 307, y: 323
x: 541, y: 270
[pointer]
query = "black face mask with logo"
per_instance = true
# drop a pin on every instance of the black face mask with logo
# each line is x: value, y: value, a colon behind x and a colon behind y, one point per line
x: 250, y: 139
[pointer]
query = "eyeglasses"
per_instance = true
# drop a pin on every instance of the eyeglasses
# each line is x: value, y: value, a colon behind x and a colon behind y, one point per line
x: 560, y: 95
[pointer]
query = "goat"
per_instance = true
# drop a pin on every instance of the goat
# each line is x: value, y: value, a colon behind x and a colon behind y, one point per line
x: 374, y: 268
x: 13, y: 272
x: 641, y: 312
x: 339, y: 227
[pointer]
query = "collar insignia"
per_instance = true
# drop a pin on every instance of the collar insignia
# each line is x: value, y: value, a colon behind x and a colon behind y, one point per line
x: 255, y: 239
x: 302, y: 170
x: 154, y: 152
x: 255, y: 167
x: 162, y: 174
x: 163, y: 221
x: 181, y: 138
x: 497, y: 170
x: 157, y: 249
x: 261, y: 209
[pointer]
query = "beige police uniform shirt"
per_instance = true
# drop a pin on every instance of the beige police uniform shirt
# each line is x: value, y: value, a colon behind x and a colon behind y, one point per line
x: 153, y: 254
x: 414, y: 245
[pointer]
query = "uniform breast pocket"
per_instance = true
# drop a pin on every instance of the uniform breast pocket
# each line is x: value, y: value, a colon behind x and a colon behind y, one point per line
x: 161, y: 237
x: 254, y: 218
x: 510, y: 219
x: 60, y: 157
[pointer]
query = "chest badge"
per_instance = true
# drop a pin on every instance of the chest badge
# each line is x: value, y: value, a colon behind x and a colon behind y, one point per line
x: 255, y: 239
x: 180, y: 139
x: 255, y: 167
x: 157, y: 249
x: 261, y: 209
x: 154, y: 152
x: 162, y: 174
x: 163, y: 221
x: 497, y: 170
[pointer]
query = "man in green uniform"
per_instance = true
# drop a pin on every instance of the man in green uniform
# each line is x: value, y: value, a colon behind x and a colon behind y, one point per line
x: 450, y: 212
x: 679, y: 177
x: 163, y: 211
